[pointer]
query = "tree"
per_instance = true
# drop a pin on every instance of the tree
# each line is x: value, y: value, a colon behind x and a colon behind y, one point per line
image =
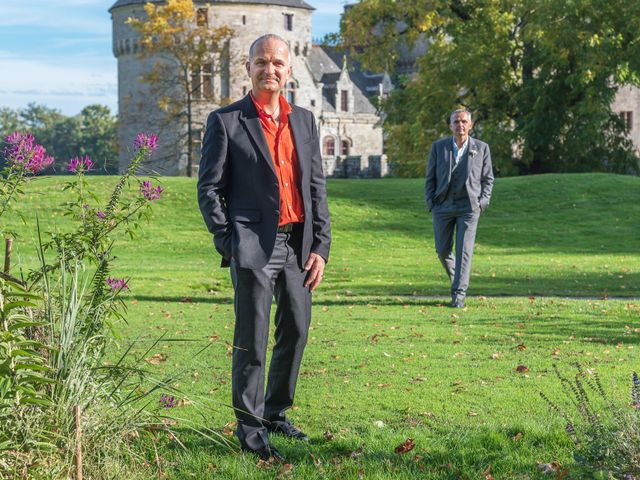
x: 98, y: 137
x: 539, y: 76
x: 188, y: 54
x: 92, y: 133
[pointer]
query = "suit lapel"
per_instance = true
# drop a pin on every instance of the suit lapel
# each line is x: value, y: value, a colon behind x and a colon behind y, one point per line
x: 470, y: 156
x: 297, y: 130
x: 250, y: 118
x: 448, y: 156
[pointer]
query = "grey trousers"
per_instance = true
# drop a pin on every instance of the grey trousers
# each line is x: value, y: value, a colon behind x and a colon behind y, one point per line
x: 254, y: 292
x: 446, y: 219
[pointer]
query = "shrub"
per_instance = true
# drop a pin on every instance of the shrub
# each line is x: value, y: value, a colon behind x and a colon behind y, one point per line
x: 606, y: 435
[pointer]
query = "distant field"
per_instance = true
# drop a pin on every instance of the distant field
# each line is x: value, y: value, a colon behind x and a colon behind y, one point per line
x: 386, y: 360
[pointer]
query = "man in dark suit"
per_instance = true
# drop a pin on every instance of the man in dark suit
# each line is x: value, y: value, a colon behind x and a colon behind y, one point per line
x: 261, y: 192
x: 458, y: 187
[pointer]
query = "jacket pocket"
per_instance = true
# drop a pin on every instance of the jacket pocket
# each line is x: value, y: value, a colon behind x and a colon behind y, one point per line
x: 246, y: 215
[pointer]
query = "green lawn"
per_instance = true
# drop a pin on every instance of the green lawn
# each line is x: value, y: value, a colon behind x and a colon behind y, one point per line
x: 386, y: 361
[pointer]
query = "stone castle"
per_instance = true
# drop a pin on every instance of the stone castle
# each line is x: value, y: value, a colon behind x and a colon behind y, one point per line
x: 341, y: 97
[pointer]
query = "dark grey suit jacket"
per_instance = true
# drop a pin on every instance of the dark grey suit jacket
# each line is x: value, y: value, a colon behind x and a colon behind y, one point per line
x: 479, y: 173
x: 238, y: 189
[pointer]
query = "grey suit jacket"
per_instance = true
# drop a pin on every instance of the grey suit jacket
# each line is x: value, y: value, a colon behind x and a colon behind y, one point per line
x: 479, y: 181
x: 238, y: 189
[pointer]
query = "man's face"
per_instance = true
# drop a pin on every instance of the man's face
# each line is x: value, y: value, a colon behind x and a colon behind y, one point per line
x: 269, y: 68
x: 461, y: 124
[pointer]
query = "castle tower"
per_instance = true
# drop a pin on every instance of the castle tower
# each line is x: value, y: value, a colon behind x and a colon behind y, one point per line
x: 349, y: 126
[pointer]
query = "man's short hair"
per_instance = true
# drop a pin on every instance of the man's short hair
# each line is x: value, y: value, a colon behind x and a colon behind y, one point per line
x: 264, y: 38
x: 460, y: 110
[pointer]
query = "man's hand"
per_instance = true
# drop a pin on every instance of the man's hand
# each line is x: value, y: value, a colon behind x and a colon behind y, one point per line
x: 315, y: 267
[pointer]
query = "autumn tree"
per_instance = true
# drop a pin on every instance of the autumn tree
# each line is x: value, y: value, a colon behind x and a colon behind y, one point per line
x: 187, y: 54
x: 539, y: 75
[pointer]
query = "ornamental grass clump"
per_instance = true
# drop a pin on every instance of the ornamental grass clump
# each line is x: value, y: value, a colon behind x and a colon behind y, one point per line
x: 606, y: 435
x: 58, y: 396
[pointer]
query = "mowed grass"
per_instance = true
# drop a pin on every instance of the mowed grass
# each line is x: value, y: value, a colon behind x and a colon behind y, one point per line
x: 386, y: 360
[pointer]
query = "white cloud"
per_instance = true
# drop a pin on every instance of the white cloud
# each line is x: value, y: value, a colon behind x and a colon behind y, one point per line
x: 58, y: 15
x: 68, y: 87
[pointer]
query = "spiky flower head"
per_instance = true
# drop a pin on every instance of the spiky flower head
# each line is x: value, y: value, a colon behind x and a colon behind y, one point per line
x: 80, y: 164
x: 145, y: 141
x: 22, y: 152
x: 149, y: 192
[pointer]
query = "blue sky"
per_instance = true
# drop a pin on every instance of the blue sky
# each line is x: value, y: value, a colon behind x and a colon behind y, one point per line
x: 58, y: 52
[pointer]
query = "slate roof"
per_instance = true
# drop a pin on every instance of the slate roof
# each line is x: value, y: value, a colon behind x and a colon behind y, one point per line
x: 284, y: 3
x: 325, y: 65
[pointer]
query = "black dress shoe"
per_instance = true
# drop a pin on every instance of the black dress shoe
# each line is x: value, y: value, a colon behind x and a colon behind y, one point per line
x: 268, y: 453
x: 287, y: 429
x: 457, y: 303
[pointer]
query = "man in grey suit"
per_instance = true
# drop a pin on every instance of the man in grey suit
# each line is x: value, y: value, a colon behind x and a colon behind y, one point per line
x: 458, y: 187
x: 261, y: 192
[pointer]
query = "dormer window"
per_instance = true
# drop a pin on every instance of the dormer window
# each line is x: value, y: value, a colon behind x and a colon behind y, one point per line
x: 344, y: 100
x: 288, y: 22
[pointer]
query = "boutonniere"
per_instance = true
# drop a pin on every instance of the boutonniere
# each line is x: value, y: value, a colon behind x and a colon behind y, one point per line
x: 473, y: 152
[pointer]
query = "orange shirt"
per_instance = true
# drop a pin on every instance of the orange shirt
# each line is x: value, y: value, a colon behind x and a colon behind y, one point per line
x: 283, y: 154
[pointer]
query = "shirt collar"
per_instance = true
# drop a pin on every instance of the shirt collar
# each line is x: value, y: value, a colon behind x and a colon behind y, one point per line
x: 455, y: 145
x: 285, y: 109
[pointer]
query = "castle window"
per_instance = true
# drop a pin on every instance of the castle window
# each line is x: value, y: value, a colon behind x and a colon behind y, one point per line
x: 627, y: 118
x: 244, y: 91
x: 202, y: 82
x: 329, y: 146
x: 296, y: 50
x: 345, y: 147
x: 244, y: 19
x: 344, y: 100
x: 313, y: 103
x: 291, y: 93
x: 202, y: 18
x: 288, y: 22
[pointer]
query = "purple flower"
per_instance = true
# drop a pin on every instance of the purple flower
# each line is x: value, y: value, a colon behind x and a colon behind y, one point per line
x: 635, y: 391
x: 167, y: 401
x: 80, y: 164
x: 144, y: 141
x: 117, y: 284
x: 101, y: 215
x: 22, y: 152
x: 150, y: 192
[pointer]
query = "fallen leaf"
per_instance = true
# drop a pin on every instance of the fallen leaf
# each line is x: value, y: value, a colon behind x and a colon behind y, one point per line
x: 157, y: 358
x: 378, y: 423
x: 522, y: 369
x: 495, y: 356
x: 328, y: 436
x: 186, y: 300
x: 384, y: 385
x: 213, y: 338
x: 183, y: 402
x: 517, y: 437
x: 487, y: 473
x: 227, y: 430
x: 357, y: 453
x: 472, y: 414
x: 521, y: 347
x: 285, y: 470
x: 405, y: 446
